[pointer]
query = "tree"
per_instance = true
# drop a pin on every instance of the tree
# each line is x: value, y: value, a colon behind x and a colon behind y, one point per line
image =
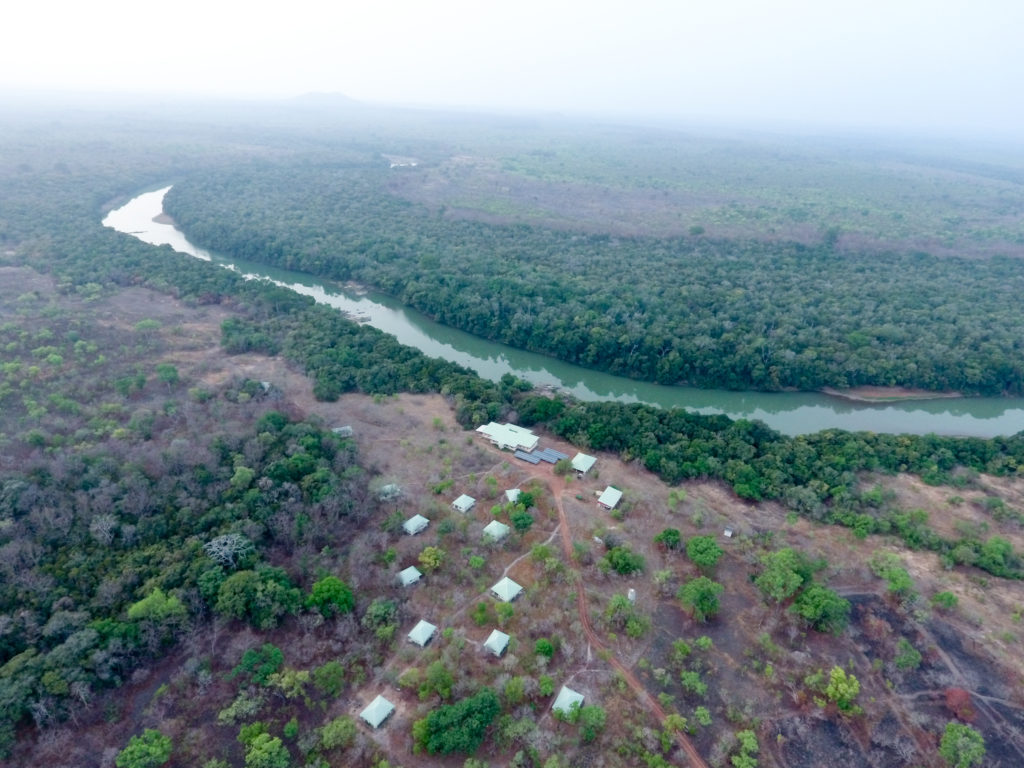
x: 623, y: 560
x: 842, y: 689
x: 704, y: 552
x: 229, y: 549
x: 961, y: 746
x: 339, y: 732
x: 700, y: 595
x: 521, y: 520
x: 823, y: 609
x: 591, y: 720
x: 167, y: 373
x: 431, y: 558
x: 147, y: 750
x: 329, y: 678
x: 266, y: 751
x: 458, y: 727
x: 670, y: 538
x: 544, y: 647
x: 331, y: 595
x: 782, y: 576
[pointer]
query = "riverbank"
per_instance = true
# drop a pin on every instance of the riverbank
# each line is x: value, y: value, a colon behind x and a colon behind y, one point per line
x: 887, y: 394
x: 791, y: 413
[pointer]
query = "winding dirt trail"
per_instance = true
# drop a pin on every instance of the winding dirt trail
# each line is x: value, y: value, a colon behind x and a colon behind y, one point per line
x: 559, y: 487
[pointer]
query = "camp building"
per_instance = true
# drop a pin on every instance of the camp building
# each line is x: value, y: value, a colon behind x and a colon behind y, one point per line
x: 610, y: 498
x: 509, y: 437
x: 496, y: 530
x: 380, y: 709
x: 583, y: 463
x: 464, y: 503
x: 566, y: 698
x: 497, y: 642
x: 409, y: 576
x: 506, y: 590
x: 415, y: 524
x: 422, y: 633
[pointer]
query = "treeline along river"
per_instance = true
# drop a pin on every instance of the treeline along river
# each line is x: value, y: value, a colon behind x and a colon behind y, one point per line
x: 791, y: 413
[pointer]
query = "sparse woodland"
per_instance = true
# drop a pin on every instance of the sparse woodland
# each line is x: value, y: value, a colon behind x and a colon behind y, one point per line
x: 196, y: 570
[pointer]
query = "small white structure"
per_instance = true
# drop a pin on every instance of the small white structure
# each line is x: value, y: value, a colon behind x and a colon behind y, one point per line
x: 422, y: 633
x: 496, y: 530
x: 509, y: 436
x: 464, y: 503
x: 506, y: 590
x: 583, y: 463
x: 631, y: 595
x: 512, y: 494
x: 389, y: 491
x: 345, y: 431
x: 409, y: 576
x: 380, y: 709
x: 610, y: 498
x: 565, y: 699
x: 415, y: 524
x: 497, y: 642
x: 727, y: 533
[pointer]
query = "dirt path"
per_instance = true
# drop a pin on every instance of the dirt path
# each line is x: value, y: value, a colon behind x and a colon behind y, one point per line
x: 559, y: 487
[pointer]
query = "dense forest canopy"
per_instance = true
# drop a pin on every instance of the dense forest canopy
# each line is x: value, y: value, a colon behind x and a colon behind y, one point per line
x: 740, y: 312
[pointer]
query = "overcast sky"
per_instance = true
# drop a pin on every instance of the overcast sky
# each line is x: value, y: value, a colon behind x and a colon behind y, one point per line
x: 938, y: 64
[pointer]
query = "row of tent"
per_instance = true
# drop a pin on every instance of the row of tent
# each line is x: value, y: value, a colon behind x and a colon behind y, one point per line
x: 380, y: 709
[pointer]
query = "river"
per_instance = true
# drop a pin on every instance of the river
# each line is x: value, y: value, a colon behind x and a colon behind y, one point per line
x: 791, y: 413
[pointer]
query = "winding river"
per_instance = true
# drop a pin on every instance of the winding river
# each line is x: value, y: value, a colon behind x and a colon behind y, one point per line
x: 792, y: 413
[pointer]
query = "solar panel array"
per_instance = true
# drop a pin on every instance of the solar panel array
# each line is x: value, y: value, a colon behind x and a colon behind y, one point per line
x: 550, y: 455
x: 528, y: 457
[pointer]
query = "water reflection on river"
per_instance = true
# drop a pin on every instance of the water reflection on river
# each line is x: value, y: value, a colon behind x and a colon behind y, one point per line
x: 789, y: 412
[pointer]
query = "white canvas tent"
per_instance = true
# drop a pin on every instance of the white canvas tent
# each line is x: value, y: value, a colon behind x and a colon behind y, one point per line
x: 410, y: 576
x: 377, y: 712
x: 464, y: 503
x: 610, y: 498
x: 422, y: 633
x: 506, y: 590
x: 496, y: 530
x: 512, y: 494
x: 566, y: 698
x: 415, y: 524
x: 583, y: 463
x: 496, y: 642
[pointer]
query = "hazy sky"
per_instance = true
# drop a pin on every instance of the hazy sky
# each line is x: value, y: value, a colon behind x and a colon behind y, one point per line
x: 943, y: 64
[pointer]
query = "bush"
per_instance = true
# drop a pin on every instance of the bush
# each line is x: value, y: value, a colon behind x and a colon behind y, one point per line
x: 623, y: 560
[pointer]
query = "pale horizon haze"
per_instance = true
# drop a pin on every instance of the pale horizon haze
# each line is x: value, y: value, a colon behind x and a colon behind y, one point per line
x: 940, y: 66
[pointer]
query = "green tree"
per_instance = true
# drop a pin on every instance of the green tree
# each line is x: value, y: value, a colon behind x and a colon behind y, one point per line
x: 704, y: 552
x: 147, y: 750
x: 591, y: 720
x: 338, y: 733
x: 782, y: 575
x: 700, y: 595
x: 907, y: 656
x: 431, y: 558
x: 329, y: 678
x: 670, y: 538
x: 842, y: 689
x: 330, y: 595
x: 623, y: 560
x: 544, y: 647
x: 521, y: 520
x: 167, y: 373
x: 458, y: 727
x: 962, y: 746
x: 259, y: 664
x: 266, y: 751
x: 823, y: 609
